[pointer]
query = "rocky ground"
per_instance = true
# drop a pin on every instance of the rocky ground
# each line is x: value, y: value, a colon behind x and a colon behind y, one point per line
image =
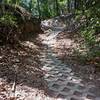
x: 69, y: 48
x: 47, y: 69
x: 67, y: 76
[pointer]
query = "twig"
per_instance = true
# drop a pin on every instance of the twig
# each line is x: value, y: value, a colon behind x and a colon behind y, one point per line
x: 14, y: 84
x: 13, y: 89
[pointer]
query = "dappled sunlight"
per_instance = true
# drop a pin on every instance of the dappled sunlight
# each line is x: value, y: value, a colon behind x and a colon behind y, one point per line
x: 29, y: 44
x: 55, y: 23
x: 49, y: 50
x: 21, y: 64
x: 62, y: 79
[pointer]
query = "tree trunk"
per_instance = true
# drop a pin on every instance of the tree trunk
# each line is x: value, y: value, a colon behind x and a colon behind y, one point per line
x: 68, y: 6
x: 57, y: 7
x: 38, y: 5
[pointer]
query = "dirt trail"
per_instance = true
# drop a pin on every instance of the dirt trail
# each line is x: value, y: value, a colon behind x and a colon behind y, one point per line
x: 62, y: 81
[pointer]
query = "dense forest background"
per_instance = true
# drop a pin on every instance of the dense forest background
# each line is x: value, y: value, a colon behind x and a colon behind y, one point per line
x: 86, y: 12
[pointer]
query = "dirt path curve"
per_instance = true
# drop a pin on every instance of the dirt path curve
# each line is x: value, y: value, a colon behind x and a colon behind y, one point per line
x: 62, y: 82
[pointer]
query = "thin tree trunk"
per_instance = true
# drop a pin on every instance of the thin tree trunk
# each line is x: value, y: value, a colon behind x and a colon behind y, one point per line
x: 57, y: 7
x: 38, y: 5
x: 68, y: 6
x: 3, y: 8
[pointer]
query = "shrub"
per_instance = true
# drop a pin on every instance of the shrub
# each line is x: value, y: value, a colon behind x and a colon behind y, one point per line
x: 8, y: 19
x: 89, y: 37
x: 8, y: 28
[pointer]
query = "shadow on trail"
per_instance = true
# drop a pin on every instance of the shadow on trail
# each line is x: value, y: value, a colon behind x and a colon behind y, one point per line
x: 61, y: 78
x: 65, y: 80
x: 22, y: 65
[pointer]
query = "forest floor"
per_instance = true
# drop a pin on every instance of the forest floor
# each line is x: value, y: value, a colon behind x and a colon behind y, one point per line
x: 21, y: 76
x: 67, y: 76
x: 47, y: 68
x: 69, y: 48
